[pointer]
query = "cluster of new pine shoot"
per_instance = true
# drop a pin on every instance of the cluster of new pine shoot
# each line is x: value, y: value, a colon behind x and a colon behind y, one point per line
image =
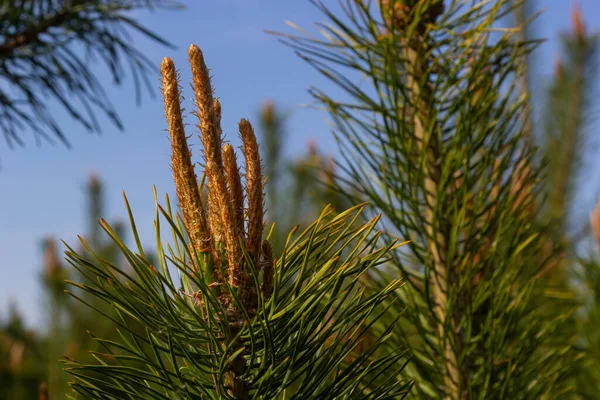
x: 237, y: 322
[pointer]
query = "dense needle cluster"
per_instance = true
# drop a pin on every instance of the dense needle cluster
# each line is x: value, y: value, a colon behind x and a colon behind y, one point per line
x: 401, y: 13
x: 225, y: 236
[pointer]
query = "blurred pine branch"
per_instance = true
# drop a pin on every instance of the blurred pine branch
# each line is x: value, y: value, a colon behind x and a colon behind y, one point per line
x: 436, y: 132
x: 47, y: 51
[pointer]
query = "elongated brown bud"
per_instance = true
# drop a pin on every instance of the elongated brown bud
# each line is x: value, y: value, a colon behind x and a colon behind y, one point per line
x: 268, y: 113
x: 217, y: 108
x: 254, y: 190
x: 211, y: 140
x: 267, y: 266
x: 234, y: 183
x: 578, y: 25
x: 595, y: 223
x: 43, y: 392
x: 186, y: 182
x: 214, y: 214
x: 51, y: 258
x: 205, y: 102
x: 214, y: 218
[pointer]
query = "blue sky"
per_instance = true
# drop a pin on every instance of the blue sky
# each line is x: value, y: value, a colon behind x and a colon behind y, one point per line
x: 43, y: 188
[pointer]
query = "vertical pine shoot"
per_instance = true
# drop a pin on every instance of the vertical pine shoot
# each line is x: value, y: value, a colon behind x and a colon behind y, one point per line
x: 186, y: 182
x: 254, y: 188
x: 234, y: 184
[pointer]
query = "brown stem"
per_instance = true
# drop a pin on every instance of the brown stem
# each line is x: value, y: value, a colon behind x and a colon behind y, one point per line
x: 12, y: 43
x: 43, y: 392
x: 237, y: 388
x: 427, y: 143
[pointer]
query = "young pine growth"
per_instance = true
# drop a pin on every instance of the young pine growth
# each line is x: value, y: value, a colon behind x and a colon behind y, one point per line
x: 237, y: 322
x: 219, y: 239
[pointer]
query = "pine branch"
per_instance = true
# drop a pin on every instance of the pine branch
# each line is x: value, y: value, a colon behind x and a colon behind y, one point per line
x: 265, y: 328
x: 415, y: 51
x: 38, y: 61
x: 434, y: 137
x: 11, y: 43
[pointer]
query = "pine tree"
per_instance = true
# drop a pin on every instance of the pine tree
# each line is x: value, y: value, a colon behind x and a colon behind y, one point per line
x: 237, y: 321
x: 22, y: 359
x: 69, y: 321
x: 435, y: 135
